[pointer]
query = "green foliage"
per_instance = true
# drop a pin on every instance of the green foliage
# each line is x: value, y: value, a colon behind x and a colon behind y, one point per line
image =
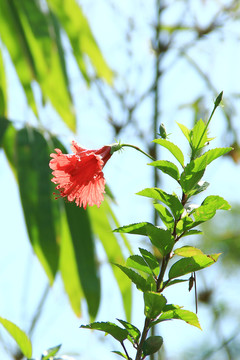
x: 117, y: 332
x: 50, y: 352
x: 19, y: 336
x: 180, y: 218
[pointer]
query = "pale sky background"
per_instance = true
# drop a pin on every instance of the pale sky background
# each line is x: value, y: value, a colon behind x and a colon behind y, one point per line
x: 22, y: 280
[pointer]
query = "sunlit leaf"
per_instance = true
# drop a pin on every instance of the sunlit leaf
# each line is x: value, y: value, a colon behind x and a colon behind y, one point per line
x: 3, y: 90
x: 137, y: 279
x: 165, y: 216
x: 171, y: 201
x: 209, y: 207
x: 167, y: 167
x: 174, y: 149
x: 133, y: 331
x: 191, y: 264
x: 185, y: 131
x: 50, y: 352
x: 153, y: 304
x: 19, y: 336
x: 198, y: 135
x: 180, y: 314
x: 150, y: 259
x: 100, y: 220
x: 187, y: 251
x: 120, y: 354
x: 81, y: 38
x: 117, y: 332
x: 160, y: 238
x: 138, y: 263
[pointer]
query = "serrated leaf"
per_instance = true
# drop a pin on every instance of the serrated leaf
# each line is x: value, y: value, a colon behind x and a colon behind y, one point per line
x: 149, y: 258
x: 180, y: 314
x: 117, y: 332
x: 19, y: 336
x: 171, y: 201
x: 153, y: 304
x: 138, y: 263
x: 133, y: 331
x: 188, y: 251
x: 50, y: 352
x: 165, y: 216
x: 152, y: 345
x: 209, y: 207
x: 160, y: 238
x: 167, y: 167
x: 174, y: 149
x: 185, y: 131
x: 198, y: 132
x: 137, y: 279
x: 191, y: 264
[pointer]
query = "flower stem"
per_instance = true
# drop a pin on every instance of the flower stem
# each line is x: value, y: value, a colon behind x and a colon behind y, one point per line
x: 138, y: 149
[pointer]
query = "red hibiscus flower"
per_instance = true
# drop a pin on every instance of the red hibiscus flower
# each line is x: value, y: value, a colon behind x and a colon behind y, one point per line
x: 79, y: 176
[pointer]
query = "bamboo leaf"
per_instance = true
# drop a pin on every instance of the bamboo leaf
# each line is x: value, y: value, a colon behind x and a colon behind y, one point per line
x: 3, y: 90
x: 19, y: 336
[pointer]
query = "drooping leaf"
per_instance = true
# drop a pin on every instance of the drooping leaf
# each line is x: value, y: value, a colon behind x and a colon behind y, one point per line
x: 19, y: 336
x: 174, y: 149
x: 83, y: 246
x: 14, y: 38
x: 165, y: 216
x: 100, y: 220
x: 81, y: 38
x: 120, y: 354
x: 171, y: 201
x: 180, y: 314
x: 133, y: 331
x: 3, y: 90
x: 150, y: 259
x: 160, y: 238
x: 153, y: 304
x: 32, y: 158
x: 188, y: 251
x: 9, y: 144
x: 136, y: 278
x: 49, y: 353
x: 191, y: 264
x: 152, y: 345
x: 117, y: 332
x: 209, y: 207
x: 168, y: 283
x: 167, y: 167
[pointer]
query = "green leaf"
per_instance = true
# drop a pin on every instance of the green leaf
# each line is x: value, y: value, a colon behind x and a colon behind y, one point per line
x: 209, y: 207
x: 191, y: 264
x: 167, y: 167
x: 165, y: 216
x: 152, y: 345
x: 32, y: 158
x: 185, y: 131
x: 184, y: 224
x: 9, y: 145
x: 81, y: 38
x: 188, y: 251
x: 176, y: 313
x: 138, y: 263
x: 154, y: 304
x: 198, y: 132
x: 19, y: 336
x: 173, y: 282
x: 133, y: 331
x: 160, y: 238
x: 101, y: 219
x: 150, y: 259
x: 3, y: 91
x: 47, y: 354
x: 174, y: 149
x: 4, y: 123
x: 171, y: 201
x: 85, y: 256
x: 137, y: 279
x: 198, y: 188
x: 117, y: 332
x: 14, y: 38
x: 120, y: 354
